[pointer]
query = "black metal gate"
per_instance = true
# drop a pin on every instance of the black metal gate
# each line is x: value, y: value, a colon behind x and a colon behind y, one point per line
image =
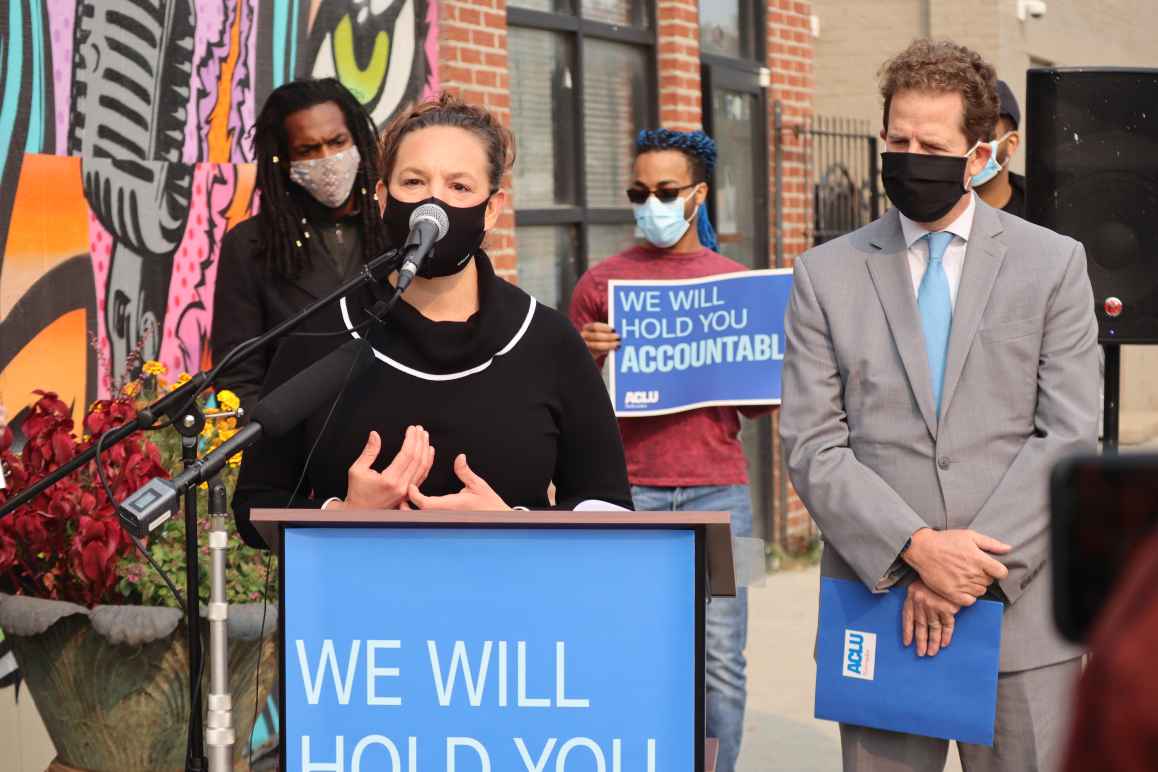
x: 846, y: 190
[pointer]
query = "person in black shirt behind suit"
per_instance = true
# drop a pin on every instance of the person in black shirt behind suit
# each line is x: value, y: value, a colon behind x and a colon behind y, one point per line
x: 317, y: 224
x: 996, y: 184
x: 479, y: 398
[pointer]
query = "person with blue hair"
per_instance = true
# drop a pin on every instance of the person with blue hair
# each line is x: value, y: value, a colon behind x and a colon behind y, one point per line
x: 692, y: 460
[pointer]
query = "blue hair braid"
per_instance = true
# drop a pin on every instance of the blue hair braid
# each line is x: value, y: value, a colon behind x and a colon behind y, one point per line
x: 700, y: 150
x: 696, y: 144
x: 705, y: 230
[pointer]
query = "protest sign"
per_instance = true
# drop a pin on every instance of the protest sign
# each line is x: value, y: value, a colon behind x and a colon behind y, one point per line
x: 489, y: 650
x: 689, y: 343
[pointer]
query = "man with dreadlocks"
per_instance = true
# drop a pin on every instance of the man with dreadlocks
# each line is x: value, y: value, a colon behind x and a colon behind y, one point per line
x: 317, y: 222
x: 691, y: 460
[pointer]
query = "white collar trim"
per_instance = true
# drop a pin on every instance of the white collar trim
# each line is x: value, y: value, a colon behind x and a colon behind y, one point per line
x: 448, y: 376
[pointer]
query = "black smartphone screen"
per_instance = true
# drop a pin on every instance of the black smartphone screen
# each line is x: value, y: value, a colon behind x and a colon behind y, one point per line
x: 1103, y: 507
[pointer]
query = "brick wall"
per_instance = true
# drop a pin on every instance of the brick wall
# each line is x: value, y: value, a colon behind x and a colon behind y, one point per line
x: 472, y: 40
x: 678, y: 38
x: 790, y: 58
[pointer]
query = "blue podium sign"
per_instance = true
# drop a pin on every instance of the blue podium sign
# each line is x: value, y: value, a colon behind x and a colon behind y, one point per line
x: 689, y: 343
x: 489, y: 649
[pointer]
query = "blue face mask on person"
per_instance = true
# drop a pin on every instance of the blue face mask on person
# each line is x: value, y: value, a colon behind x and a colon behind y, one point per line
x: 993, y: 167
x: 663, y: 224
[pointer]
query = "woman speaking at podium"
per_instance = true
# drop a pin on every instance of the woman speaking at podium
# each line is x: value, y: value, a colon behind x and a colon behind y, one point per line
x: 479, y: 398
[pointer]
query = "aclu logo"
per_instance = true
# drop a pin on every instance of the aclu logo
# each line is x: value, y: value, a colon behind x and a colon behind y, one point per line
x: 860, y: 654
x: 640, y: 398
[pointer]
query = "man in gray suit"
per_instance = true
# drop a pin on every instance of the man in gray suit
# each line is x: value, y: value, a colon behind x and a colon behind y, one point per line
x: 939, y: 361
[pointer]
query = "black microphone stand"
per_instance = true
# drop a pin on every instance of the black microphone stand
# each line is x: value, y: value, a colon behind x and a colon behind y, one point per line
x: 180, y: 407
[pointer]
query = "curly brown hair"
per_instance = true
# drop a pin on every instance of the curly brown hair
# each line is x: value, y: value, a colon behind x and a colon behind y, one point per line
x: 451, y: 110
x: 943, y: 66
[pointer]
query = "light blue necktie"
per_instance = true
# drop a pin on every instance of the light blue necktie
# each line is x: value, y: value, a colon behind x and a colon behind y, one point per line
x: 936, y: 309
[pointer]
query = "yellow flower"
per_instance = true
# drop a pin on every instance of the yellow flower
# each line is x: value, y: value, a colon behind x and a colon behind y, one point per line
x: 235, y: 460
x: 131, y: 389
x: 182, y: 379
x: 228, y: 400
x: 153, y: 367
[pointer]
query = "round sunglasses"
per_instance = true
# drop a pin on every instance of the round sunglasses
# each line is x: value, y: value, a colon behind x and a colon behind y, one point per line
x: 639, y: 195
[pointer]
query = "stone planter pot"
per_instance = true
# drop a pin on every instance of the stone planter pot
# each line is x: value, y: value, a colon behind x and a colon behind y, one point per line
x: 111, y: 683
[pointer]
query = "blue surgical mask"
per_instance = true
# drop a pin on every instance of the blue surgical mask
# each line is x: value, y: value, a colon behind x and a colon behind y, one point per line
x: 992, y: 168
x: 663, y: 225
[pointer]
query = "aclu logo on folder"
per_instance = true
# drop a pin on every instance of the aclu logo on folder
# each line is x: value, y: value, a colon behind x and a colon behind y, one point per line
x: 866, y: 676
x: 860, y: 654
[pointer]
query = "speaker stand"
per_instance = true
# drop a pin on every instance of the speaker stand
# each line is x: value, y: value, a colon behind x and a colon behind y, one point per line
x: 1110, y: 398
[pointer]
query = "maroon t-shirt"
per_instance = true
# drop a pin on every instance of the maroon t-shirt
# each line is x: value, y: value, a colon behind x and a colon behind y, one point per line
x: 697, y: 447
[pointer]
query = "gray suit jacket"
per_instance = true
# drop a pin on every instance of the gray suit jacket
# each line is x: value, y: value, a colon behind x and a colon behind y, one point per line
x: 864, y: 447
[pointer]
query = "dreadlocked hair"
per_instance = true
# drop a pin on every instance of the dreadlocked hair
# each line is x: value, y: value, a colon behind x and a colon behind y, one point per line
x: 700, y: 150
x: 281, y: 212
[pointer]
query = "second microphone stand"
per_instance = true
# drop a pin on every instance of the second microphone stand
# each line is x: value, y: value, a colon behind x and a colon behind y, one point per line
x: 189, y: 426
x: 219, y: 734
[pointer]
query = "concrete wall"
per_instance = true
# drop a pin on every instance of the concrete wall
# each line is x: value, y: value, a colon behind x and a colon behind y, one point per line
x: 24, y: 743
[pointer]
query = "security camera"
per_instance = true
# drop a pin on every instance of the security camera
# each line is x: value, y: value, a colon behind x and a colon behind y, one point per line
x: 1030, y: 9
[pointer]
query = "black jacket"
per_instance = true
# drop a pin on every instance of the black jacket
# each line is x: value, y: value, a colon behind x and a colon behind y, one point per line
x: 514, y: 388
x: 1016, y: 203
x: 249, y: 300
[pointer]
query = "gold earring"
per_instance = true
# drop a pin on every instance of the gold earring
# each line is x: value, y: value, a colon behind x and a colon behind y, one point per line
x: 276, y: 159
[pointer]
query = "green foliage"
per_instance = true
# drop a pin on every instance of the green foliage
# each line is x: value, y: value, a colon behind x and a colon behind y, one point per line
x: 67, y: 542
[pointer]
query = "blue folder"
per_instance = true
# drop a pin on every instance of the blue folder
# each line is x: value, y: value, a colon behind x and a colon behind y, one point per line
x: 867, y: 677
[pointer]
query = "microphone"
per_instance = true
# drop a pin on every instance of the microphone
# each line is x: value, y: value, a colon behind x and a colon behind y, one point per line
x: 282, y: 409
x: 428, y: 224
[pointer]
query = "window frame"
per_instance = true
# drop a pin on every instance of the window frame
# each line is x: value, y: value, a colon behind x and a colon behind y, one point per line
x: 755, y: 59
x: 581, y: 216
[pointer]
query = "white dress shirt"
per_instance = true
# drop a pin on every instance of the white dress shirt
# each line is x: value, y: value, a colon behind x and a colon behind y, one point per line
x: 954, y: 257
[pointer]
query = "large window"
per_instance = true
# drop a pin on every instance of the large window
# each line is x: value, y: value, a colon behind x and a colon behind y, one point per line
x: 582, y: 84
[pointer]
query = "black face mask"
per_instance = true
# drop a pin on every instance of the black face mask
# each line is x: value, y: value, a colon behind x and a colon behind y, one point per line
x: 924, y: 187
x: 451, y: 253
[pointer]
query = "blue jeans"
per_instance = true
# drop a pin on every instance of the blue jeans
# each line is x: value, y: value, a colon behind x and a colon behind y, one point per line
x: 727, y: 618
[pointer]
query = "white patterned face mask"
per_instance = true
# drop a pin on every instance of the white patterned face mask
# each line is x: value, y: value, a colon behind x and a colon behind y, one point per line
x: 330, y: 179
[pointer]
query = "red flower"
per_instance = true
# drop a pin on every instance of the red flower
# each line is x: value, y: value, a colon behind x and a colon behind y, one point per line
x: 67, y: 542
x: 7, y: 550
x: 94, y: 553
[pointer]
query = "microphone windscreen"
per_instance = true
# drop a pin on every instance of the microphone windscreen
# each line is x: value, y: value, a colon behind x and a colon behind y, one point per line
x: 435, y: 214
x: 313, y: 388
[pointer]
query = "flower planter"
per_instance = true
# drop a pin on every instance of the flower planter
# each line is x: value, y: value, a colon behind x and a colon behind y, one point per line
x: 111, y: 683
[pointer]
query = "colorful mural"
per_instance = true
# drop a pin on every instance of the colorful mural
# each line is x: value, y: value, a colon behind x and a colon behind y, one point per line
x: 125, y: 150
x: 125, y: 142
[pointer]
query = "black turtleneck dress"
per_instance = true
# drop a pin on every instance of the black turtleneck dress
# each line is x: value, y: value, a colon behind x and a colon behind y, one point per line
x: 513, y: 387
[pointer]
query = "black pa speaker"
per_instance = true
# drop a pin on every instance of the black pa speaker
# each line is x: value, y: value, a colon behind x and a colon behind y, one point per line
x: 1092, y: 173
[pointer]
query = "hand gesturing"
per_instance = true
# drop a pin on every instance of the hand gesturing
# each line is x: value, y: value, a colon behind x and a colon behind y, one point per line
x: 476, y: 495
x: 368, y: 489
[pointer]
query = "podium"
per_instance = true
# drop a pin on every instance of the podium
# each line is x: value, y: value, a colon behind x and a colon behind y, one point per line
x: 495, y: 641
